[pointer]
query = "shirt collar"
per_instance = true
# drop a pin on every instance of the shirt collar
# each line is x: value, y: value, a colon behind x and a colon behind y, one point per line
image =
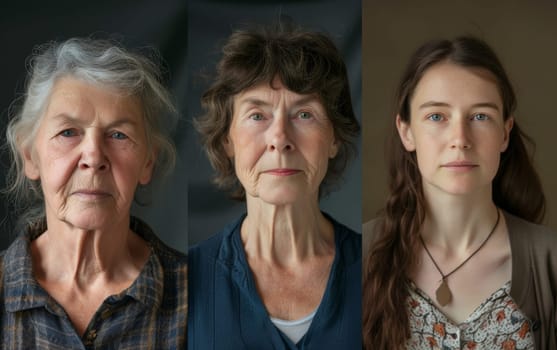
x: 23, y: 292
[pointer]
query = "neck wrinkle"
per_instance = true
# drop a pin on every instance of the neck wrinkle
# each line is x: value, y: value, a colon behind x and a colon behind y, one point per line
x: 71, y: 255
x: 286, y: 235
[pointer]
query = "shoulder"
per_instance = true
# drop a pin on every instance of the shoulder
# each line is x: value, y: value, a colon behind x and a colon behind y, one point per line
x: 533, y: 249
x: 349, y: 242
x: 16, y: 263
x: 211, y: 247
x: 18, y: 252
x: 526, y: 235
x: 169, y: 258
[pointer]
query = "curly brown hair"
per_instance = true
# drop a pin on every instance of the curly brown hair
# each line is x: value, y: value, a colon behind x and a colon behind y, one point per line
x: 516, y: 188
x: 306, y: 63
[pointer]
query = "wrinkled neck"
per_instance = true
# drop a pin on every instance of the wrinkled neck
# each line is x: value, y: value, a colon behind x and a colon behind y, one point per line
x: 67, y: 254
x: 286, y: 234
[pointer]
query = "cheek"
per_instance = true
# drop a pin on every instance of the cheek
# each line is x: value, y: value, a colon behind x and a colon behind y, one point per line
x: 426, y: 151
x: 56, y: 170
x: 316, y: 151
x: 127, y: 168
x: 247, y: 151
x: 492, y: 161
x: 245, y: 166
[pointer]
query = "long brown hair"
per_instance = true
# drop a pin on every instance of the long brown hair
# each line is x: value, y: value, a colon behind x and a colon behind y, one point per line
x: 516, y: 189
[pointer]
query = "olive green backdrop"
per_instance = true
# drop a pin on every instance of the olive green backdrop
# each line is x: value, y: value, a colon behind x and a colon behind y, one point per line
x: 522, y: 33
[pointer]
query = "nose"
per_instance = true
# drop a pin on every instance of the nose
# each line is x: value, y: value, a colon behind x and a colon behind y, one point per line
x: 279, y: 135
x: 93, y: 155
x: 460, y: 135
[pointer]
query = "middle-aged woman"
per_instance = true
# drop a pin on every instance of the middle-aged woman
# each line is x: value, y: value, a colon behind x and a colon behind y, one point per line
x: 279, y: 128
x: 83, y: 274
x: 457, y: 260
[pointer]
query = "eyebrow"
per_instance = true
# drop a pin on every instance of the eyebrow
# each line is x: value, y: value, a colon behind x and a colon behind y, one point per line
x: 261, y: 103
x: 68, y: 118
x: 444, y: 104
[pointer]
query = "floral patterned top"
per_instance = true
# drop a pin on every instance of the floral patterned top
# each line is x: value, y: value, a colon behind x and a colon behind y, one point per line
x: 496, y: 324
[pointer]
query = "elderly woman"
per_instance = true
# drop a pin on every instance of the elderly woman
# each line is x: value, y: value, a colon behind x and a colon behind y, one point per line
x: 84, y: 274
x: 279, y: 129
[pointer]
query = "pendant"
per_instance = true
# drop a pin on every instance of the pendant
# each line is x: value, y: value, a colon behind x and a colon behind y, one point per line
x: 443, y: 293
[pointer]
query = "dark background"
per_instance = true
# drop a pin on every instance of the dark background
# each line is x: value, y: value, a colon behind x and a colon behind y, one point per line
x: 159, y: 24
x: 211, y: 22
x: 188, y: 35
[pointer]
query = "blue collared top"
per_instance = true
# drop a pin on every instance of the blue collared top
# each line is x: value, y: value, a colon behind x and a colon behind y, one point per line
x: 150, y: 314
x: 226, y: 312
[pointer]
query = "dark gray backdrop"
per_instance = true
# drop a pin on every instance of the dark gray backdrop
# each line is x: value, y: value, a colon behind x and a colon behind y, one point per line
x: 211, y: 22
x: 188, y: 35
x: 160, y: 24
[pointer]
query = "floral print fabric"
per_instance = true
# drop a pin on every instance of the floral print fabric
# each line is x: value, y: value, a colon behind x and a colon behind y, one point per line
x: 496, y: 324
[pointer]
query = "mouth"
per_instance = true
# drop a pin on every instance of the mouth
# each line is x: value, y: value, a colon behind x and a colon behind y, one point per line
x: 460, y: 165
x: 282, y: 172
x: 91, y: 194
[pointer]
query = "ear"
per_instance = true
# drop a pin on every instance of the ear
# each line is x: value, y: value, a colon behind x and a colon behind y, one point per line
x: 229, y: 147
x: 333, y: 149
x: 147, y: 170
x: 509, y: 123
x: 30, y: 165
x: 405, y: 134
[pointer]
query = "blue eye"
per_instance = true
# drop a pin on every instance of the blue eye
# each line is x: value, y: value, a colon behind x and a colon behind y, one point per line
x: 118, y: 135
x: 436, y: 117
x: 480, y: 116
x: 256, y: 116
x: 68, y: 133
x: 304, y: 115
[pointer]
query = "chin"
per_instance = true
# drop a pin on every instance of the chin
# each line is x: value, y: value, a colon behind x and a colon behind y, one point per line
x: 463, y: 189
x: 285, y: 196
x: 90, y: 219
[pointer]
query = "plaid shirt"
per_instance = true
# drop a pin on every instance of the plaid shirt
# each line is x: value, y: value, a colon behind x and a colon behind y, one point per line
x: 150, y: 314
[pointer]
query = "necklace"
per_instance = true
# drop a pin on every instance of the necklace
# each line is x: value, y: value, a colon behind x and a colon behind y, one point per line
x: 443, y: 293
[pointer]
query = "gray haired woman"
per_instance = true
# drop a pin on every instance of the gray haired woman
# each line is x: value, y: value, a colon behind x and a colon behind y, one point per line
x: 84, y: 273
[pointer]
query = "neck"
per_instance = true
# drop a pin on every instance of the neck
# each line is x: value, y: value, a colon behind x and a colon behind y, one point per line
x: 70, y: 255
x: 457, y: 222
x: 286, y: 234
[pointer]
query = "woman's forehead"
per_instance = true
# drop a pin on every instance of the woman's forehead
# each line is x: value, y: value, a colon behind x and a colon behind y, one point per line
x: 79, y: 99
x: 451, y: 84
x: 272, y: 92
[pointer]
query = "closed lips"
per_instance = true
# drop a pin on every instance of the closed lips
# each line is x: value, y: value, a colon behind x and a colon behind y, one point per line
x: 92, y: 192
x: 459, y: 164
x: 282, y: 171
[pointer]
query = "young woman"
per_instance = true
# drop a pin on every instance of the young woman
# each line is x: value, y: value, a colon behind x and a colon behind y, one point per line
x: 457, y: 259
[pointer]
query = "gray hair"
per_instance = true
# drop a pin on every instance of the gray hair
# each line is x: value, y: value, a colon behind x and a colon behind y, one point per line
x: 100, y: 62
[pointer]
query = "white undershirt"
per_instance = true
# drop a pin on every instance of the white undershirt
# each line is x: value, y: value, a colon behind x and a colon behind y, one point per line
x: 296, y: 329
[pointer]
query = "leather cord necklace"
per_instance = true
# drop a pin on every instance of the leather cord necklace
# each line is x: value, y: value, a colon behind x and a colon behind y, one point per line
x: 443, y: 293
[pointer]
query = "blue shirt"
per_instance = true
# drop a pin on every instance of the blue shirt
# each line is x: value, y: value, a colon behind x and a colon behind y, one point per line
x: 226, y: 312
x: 150, y: 314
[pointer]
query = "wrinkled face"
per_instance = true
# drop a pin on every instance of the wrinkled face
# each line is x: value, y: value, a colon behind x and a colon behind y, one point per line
x: 281, y: 143
x: 456, y: 129
x: 90, y: 153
